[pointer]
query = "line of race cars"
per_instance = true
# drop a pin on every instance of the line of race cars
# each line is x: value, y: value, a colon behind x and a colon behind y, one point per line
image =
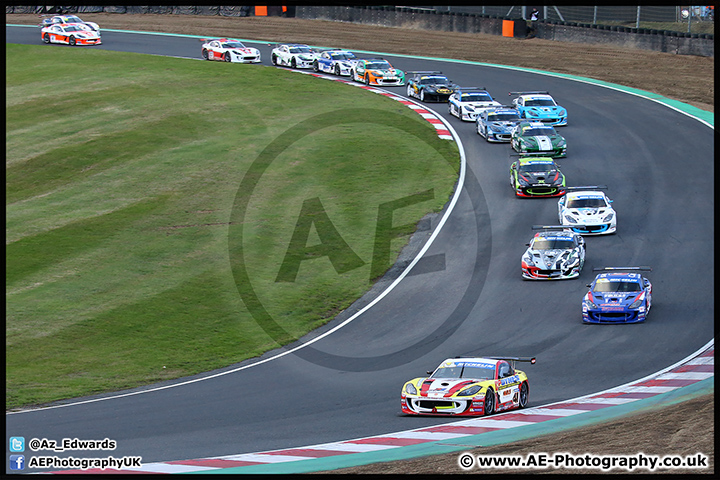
x: 472, y: 385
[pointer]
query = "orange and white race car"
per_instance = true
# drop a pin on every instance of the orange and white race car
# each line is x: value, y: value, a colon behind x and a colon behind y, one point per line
x: 70, y: 34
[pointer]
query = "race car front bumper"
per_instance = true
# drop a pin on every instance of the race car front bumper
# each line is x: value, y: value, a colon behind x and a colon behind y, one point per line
x: 540, y: 191
x: 612, y: 317
x: 416, y: 405
x: 598, y: 229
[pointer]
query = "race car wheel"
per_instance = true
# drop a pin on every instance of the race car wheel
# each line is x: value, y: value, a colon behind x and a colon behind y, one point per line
x: 226, y: 57
x: 46, y: 38
x: 489, y: 402
x: 422, y: 95
x: 72, y: 40
x: 293, y: 63
x: 273, y: 59
x: 316, y: 68
x: 409, y: 91
x: 524, y: 395
x: 367, y: 79
x: 205, y: 55
x: 337, y: 70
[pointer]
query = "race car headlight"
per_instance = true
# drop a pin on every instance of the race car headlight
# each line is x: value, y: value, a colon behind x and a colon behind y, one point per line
x: 527, y: 258
x: 410, y: 388
x: 562, y: 112
x: 495, y: 128
x: 589, y: 302
x: 638, y: 302
x: 470, y: 391
x: 523, y: 181
x: 532, y: 112
x: 608, y: 218
x: 570, y: 218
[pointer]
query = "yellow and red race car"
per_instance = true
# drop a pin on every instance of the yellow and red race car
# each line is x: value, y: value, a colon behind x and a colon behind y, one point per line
x: 70, y: 34
x: 468, y: 386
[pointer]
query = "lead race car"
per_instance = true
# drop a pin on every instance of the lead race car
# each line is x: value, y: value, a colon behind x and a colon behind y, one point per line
x: 70, y: 34
x: 465, y: 386
x: 553, y: 255
x: 229, y: 50
x: 618, y: 296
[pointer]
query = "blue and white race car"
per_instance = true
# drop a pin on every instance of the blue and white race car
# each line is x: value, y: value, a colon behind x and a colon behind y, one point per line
x: 541, y: 107
x: 466, y: 103
x: 496, y: 124
x: 587, y: 211
x: 335, y: 61
x: 618, y: 296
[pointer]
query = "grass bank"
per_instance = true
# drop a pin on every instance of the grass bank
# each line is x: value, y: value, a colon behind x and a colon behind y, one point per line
x: 136, y: 185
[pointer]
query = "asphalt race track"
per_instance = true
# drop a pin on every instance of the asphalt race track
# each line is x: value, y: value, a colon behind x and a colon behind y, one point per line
x: 658, y: 164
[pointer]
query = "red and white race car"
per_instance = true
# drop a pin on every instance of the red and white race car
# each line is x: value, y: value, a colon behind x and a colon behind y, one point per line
x: 70, y: 34
x: 229, y: 50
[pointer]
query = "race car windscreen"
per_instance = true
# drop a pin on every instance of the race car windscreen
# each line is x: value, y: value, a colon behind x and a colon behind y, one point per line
x: 378, y: 66
x: 73, y: 28
x: 537, y: 168
x: 586, y: 203
x: 475, y: 97
x: 233, y: 45
x: 300, y: 50
x: 342, y: 56
x: 537, y: 131
x: 631, y: 286
x: 552, y: 243
x: 433, y: 80
x: 465, y: 371
x: 503, y: 117
x: 539, y: 102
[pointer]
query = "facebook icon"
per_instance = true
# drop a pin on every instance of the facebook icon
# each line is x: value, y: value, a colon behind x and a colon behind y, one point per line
x: 17, y: 462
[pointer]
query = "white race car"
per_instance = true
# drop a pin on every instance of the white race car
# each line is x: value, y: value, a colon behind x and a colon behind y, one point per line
x: 70, y: 34
x: 553, y: 255
x: 58, y: 19
x: 467, y: 103
x: 336, y: 61
x: 587, y: 211
x: 229, y: 50
x: 294, y: 55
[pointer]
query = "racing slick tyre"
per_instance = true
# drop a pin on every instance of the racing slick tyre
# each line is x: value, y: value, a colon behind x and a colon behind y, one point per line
x: 315, y: 66
x: 524, y: 390
x: 72, y: 40
x: 293, y: 63
x: 409, y: 91
x: 205, y: 55
x: 479, y: 131
x: 46, y: 38
x: 226, y: 57
x: 366, y: 79
x: 422, y: 95
x: 273, y: 59
x: 489, y: 402
x: 337, y: 70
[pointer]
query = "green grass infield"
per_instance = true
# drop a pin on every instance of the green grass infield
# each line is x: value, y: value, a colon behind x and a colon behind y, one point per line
x: 147, y: 195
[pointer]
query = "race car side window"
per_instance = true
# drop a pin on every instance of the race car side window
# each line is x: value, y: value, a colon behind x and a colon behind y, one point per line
x: 504, y: 370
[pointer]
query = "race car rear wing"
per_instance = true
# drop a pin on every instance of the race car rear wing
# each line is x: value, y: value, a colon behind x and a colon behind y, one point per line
x: 424, y: 72
x: 588, y: 187
x: 460, y: 89
x: 512, y: 360
x: 551, y: 227
x: 528, y: 93
x: 644, y: 269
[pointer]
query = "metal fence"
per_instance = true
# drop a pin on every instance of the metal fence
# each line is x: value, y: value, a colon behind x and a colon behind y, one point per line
x: 590, y: 14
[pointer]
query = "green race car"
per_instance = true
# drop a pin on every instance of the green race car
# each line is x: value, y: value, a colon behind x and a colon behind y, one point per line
x: 537, y: 177
x: 537, y: 138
